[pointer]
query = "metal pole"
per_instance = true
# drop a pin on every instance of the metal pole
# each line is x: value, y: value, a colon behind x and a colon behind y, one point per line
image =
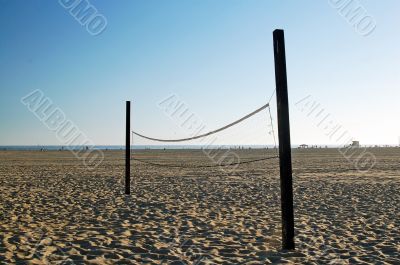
x: 128, y: 149
x: 285, y: 158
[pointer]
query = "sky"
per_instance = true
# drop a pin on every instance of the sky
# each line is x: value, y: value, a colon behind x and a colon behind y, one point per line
x: 215, y: 57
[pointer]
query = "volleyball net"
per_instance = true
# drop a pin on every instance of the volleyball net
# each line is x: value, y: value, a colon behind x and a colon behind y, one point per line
x: 216, y: 163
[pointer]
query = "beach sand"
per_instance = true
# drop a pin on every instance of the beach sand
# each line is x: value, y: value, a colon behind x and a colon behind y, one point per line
x: 55, y: 211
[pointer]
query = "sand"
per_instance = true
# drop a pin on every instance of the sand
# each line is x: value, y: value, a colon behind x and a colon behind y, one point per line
x: 55, y: 211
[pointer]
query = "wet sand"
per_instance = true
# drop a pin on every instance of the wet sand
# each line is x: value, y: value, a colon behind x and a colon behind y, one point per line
x: 55, y: 211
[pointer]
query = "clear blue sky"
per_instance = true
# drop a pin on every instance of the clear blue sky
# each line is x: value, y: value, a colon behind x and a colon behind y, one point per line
x: 217, y: 56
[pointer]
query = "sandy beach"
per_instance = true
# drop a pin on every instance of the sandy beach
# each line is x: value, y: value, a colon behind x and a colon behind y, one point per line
x: 55, y: 211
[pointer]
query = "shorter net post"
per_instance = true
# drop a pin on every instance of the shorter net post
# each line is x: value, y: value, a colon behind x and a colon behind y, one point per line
x: 128, y: 149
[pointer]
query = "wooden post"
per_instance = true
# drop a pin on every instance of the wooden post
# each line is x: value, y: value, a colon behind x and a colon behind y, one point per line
x: 285, y: 158
x: 128, y: 149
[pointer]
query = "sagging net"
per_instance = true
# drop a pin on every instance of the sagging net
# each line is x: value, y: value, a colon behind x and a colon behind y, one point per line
x: 214, y: 161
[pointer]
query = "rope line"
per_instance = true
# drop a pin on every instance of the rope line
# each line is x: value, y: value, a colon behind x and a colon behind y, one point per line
x: 205, y: 134
x: 205, y: 166
x: 272, y: 126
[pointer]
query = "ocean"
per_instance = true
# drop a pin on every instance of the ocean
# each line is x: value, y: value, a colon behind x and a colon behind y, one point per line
x: 122, y: 147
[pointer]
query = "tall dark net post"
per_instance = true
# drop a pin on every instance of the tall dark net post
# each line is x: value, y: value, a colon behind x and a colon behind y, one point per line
x: 285, y: 157
x: 128, y: 149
